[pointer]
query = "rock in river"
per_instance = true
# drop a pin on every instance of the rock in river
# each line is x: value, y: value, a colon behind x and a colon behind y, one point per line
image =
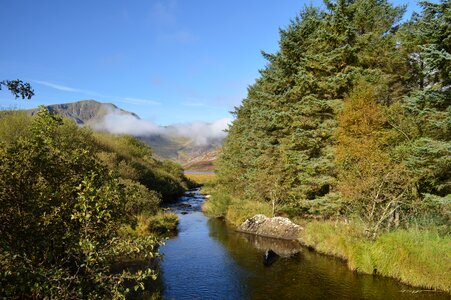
x: 277, y: 227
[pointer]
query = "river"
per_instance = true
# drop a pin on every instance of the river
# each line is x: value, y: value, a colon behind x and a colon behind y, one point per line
x: 209, y: 260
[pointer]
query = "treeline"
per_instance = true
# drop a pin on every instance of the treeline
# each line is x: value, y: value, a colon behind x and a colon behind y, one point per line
x: 349, y: 119
x: 74, y: 205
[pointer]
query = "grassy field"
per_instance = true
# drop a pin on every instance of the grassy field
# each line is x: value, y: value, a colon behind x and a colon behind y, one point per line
x: 201, y: 178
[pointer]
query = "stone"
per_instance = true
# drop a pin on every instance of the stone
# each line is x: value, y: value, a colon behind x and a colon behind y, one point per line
x: 276, y: 227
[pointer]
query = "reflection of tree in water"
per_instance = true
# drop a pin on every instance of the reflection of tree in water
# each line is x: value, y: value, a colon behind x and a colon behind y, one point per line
x: 283, y: 248
x: 307, y: 275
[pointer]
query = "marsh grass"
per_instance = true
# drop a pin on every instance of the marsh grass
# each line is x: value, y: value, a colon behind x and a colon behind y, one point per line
x: 416, y: 257
x: 217, y: 205
x: 239, y: 211
x: 221, y: 205
x: 201, y: 179
x: 162, y: 222
x: 158, y: 224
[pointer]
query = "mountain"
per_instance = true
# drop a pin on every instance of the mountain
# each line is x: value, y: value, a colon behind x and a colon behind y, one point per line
x: 85, y: 112
x: 165, y: 142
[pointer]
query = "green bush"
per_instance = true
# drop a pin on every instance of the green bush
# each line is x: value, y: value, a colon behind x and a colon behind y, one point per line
x: 60, y: 212
x: 163, y: 222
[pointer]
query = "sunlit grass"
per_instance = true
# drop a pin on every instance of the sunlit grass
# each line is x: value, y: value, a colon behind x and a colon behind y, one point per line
x: 148, y: 224
x: 234, y: 211
x: 420, y: 258
x: 201, y: 178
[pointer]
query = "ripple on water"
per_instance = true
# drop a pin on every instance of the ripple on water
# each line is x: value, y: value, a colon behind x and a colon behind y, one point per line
x: 208, y: 260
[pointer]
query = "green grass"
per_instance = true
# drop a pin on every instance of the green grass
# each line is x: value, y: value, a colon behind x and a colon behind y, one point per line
x: 201, y: 178
x: 239, y: 211
x: 162, y: 222
x: 217, y: 205
x: 416, y: 257
x: 159, y: 224
x: 234, y: 211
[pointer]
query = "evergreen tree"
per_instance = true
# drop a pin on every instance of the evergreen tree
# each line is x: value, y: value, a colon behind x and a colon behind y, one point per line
x: 283, y: 132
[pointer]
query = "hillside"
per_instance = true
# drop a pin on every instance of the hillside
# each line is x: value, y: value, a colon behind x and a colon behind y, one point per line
x: 85, y: 112
x: 166, y: 145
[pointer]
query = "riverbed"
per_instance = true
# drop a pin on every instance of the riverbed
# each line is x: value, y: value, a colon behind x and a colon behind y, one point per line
x: 209, y: 260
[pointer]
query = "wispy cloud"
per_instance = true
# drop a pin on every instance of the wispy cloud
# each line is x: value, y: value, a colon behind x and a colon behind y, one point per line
x: 57, y: 86
x: 66, y: 88
x: 163, y: 13
x: 139, y: 101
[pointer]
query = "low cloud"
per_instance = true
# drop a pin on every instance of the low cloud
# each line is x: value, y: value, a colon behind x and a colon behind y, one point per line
x: 201, y: 133
x: 120, y: 123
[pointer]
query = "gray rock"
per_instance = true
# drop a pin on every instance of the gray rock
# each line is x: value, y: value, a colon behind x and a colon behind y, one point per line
x: 277, y: 227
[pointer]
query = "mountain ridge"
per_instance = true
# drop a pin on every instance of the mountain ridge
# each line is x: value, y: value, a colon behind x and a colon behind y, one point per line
x: 165, y: 145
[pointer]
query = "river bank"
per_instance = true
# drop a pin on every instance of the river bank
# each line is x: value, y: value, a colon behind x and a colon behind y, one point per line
x: 416, y: 257
x: 419, y: 258
x: 209, y: 259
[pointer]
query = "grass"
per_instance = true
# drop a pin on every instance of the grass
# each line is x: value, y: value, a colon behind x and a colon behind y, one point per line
x: 217, y: 205
x: 234, y: 211
x: 159, y: 224
x: 416, y: 257
x: 239, y: 211
x: 162, y: 222
x: 201, y: 179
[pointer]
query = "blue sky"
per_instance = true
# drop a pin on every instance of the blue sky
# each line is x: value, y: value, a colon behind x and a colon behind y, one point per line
x: 171, y: 61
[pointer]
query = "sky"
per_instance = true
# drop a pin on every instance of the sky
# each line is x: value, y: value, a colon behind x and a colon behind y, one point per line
x: 171, y: 61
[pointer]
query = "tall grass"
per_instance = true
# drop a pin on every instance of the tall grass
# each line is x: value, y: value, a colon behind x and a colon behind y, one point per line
x: 201, y: 179
x: 233, y: 210
x: 420, y: 258
x: 239, y: 211
x: 217, y: 205
x: 160, y: 224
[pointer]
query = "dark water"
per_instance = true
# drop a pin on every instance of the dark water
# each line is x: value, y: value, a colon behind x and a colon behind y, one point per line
x: 209, y: 260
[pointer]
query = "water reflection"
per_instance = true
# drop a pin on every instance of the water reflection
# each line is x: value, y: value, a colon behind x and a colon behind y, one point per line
x: 303, y: 274
x: 209, y: 260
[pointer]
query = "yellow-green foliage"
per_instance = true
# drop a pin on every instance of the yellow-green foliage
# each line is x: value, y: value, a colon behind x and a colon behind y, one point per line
x: 419, y: 258
x: 162, y: 222
x: 239, y: 211
x: 217, y: 205
x: 12, y: 125
x: 151, y: 224
x: 201, y: 178
x: 133, y: 160
x: 233, y: 210
x: 60, y: 214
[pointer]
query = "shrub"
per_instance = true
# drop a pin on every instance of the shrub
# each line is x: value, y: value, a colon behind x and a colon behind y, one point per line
x: 60, y: 212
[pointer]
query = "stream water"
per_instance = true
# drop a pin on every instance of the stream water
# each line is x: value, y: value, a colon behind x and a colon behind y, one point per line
x: 209, y: 260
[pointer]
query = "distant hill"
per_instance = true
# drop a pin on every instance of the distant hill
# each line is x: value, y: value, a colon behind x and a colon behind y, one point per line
x: 165, y: 145
x: 85, y: 112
